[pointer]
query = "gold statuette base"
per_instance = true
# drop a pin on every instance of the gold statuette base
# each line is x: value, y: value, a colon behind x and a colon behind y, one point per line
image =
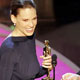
x: 47, y: 78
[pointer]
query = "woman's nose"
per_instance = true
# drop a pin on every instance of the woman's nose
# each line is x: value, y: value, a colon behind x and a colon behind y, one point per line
x: 31, y: 23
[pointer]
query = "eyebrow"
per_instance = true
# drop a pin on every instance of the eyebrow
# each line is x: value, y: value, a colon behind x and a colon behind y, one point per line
x: 32, y: 18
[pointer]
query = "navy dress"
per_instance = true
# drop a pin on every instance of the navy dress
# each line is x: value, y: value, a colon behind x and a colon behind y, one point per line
x: 18, y: 60
x: 78, y: 73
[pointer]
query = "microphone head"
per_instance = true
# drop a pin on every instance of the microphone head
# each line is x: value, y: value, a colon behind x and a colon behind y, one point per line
x: 54, y: 59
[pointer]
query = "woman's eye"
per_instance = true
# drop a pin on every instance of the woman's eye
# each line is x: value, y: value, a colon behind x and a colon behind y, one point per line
x: 34, y: 18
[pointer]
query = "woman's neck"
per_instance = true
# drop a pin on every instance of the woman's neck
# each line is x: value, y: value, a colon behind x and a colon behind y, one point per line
x: 17, y: 33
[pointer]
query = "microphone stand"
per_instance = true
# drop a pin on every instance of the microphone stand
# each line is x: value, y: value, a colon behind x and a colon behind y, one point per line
x: 54, y: 63
x: 53, y: 73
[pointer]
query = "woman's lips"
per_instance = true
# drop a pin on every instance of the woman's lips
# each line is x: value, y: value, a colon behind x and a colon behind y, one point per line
x: 30, y: 29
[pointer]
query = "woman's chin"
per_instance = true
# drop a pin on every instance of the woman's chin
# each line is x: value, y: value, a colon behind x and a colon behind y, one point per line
x: 29, y: 34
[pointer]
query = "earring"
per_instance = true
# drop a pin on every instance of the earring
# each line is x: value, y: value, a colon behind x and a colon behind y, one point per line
x: 14, y: 24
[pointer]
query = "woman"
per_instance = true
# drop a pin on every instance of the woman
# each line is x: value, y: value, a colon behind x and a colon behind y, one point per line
x: 18, y: 60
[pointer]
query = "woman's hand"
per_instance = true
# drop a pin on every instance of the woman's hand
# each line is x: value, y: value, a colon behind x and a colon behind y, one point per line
x: 47, y: 62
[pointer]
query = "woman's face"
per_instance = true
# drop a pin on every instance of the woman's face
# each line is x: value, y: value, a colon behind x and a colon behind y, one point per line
x: 26, y: 21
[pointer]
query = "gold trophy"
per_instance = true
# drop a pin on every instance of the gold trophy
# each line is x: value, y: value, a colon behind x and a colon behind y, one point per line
x: 47, y: 51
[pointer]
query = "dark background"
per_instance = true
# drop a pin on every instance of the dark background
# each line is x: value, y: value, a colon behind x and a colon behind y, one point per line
x: 58, y: 21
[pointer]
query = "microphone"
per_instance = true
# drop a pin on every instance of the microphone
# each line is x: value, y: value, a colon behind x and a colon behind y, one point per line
x: 54, y: 63
x: 54, y: 60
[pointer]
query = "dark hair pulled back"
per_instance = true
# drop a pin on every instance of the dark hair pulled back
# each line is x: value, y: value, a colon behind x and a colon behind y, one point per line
x: 17, y: 4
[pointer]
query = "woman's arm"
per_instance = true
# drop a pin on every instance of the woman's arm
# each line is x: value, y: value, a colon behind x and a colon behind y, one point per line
x: 46, y: 64
x: 42, y: 72
x: 6, y: 64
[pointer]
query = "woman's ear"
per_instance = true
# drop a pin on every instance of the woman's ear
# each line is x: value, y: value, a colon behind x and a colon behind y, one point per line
x: 13, y: 19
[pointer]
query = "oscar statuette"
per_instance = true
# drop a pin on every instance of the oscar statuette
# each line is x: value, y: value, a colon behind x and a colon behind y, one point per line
x: 47, y: 51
